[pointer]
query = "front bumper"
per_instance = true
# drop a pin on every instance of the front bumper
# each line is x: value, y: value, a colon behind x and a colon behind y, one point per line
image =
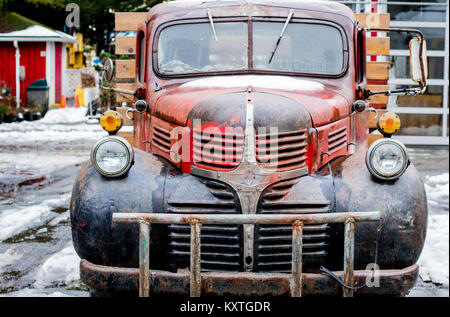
x: 392, y: 282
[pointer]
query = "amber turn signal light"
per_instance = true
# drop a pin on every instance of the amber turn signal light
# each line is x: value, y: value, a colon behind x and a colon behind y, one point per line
x: 389, y: 123
x: 111, y: 121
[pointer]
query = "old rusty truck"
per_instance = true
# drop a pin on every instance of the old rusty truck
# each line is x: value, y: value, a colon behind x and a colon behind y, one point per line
x: 251, y: 172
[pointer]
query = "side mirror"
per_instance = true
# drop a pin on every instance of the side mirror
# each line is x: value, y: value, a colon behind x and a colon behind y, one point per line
x: 419, y: 62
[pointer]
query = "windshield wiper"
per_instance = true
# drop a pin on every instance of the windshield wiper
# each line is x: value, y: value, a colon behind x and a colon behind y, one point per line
x: 291, y: 13
x: 211, y: 22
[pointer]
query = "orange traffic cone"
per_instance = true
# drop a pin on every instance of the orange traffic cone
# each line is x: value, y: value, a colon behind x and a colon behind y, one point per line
x: 62, y: 105
x: 76, y: 104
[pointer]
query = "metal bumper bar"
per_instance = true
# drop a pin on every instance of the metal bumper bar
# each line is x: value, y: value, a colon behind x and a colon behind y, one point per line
x: 196, y: 220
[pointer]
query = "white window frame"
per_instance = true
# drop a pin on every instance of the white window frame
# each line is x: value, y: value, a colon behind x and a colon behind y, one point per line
x: 365, y: 6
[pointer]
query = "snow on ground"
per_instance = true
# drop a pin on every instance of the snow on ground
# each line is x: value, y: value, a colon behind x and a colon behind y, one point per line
x: 437, y: 192
x: 434, y: 261
x: 8, y: 258
x: 31, y: 133
x: 65, y: 115
x: 62, y: 268
x: 15, y: 220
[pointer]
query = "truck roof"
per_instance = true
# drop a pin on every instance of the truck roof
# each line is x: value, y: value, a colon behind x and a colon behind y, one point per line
x: 222, y: 8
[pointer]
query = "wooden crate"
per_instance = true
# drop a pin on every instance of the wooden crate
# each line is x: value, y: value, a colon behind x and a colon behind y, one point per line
x: 377, y: 72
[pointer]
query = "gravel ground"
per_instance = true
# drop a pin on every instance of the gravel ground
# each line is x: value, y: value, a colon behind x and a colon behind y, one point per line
x: 38, y: 164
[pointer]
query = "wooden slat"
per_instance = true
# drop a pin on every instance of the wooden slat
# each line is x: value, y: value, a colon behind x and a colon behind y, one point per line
x: 377, y: 70
x: 377, y: 46
x: 125, y: 45
x: 122, y: 97
x: 373, y: 121
x: 374, y: 20
x: 378, y: 99
x: 128, y: 21
x: 125, y: 68
x: 128, y: 135
x: 372, y: 137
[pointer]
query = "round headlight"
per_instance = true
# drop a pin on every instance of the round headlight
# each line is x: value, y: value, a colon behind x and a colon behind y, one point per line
x: 112, y: 156
x: 387, y: 159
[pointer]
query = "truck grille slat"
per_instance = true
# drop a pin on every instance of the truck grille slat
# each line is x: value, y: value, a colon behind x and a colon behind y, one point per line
x: 220, y: 150
x: 337, y: 140
x: 220, y: 245
x: 282, y: 151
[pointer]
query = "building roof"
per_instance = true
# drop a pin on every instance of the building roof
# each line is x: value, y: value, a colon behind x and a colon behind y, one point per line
x: 14, y: 27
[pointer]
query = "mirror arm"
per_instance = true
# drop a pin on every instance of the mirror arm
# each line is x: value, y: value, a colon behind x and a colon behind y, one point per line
x: 423, y: 83
x: 406, y: 92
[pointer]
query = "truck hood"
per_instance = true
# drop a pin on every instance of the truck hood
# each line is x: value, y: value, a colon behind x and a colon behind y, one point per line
x: 227, y: 94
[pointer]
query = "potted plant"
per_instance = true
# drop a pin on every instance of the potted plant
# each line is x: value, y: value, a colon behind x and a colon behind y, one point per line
x: 11, y: 115
x: 3, y: 110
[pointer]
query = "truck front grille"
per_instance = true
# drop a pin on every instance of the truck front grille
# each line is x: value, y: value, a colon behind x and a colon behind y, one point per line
x: 274, y: 247
x: 221, y: 246
x: 273, y: 244
x: 218, y: 150
x: 282, y: 151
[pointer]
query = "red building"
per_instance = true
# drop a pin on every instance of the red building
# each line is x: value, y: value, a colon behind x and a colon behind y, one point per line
x: 30, y: 51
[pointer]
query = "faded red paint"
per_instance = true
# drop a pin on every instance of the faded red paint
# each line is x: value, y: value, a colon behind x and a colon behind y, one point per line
x: 330, y: 108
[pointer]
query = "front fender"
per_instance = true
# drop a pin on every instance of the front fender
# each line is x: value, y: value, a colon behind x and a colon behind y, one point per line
x: 402, y: 203
x: 95, y: 198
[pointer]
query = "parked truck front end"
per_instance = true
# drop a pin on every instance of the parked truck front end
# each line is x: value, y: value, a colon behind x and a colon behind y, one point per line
x: 251, y: 164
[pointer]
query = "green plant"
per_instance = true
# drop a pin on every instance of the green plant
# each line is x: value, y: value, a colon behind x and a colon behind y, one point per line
x: 3, y: 110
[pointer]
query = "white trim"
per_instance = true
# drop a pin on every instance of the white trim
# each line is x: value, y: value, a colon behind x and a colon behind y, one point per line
x: 406, y: 53
x: 50, y: 71
x: 422, y: 140
x: 407, y: 81
x: 417, y: 24
x: 17, y: 71
x: 418, y: 110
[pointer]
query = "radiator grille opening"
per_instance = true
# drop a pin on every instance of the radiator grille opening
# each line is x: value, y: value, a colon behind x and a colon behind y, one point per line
x: 221, y: 245
x: 282, y: 151
x: 218, y: 149
x: 274, y: 247
x: 161, y: 138
x: 337, y: 140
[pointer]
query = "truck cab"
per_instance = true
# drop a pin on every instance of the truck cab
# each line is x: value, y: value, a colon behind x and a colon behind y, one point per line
x: 251, y: 109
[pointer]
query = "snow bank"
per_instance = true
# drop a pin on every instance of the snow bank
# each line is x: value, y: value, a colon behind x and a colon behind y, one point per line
x: 38, y: 133
x: 16, y: 220
x: 62, y: 268
x: 66, y: 115
x: 434, y: 264
x: 8, y: 257
x: 438, y: 191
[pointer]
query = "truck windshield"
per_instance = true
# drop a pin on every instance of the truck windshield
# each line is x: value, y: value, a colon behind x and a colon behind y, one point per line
x: 304, y: 48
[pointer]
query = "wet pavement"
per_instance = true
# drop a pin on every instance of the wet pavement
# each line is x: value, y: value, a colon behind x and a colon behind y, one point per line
x: 38, y: 164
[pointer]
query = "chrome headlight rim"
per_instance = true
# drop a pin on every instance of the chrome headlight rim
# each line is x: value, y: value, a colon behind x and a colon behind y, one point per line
x: 112, y: 138
x: 376, y: 145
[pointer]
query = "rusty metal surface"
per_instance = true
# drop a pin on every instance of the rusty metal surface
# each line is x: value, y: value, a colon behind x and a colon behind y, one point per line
x: 371, y: 216
x: 195, y: 278
x: 195, y: 220
x: 392, y: 282
x: 297, y: 267
x: 349, y: 256
x: 144, y: 259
